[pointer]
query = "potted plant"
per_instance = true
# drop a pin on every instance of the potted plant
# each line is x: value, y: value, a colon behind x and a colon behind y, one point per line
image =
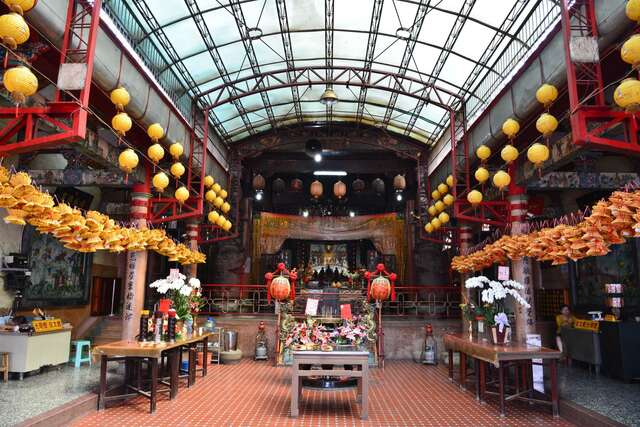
x: 493, y: 294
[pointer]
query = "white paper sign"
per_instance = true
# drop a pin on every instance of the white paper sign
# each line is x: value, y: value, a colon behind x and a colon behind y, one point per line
x: 312, y: 307
x: 503, y: 272
x: 535, y: 340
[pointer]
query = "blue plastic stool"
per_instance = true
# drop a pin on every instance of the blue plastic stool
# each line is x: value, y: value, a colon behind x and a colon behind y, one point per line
x: 78, y: 359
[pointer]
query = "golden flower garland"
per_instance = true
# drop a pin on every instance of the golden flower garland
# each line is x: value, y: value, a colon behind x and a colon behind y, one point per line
x: 610, y: 222
x: 88, y: 232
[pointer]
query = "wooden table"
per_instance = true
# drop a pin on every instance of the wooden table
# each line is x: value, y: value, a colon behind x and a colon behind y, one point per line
x: 502, y: 357
x: 134, y: 354
x: 357, y: 359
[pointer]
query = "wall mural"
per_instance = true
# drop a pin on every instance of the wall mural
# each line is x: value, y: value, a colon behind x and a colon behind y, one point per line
x: 59, y: 276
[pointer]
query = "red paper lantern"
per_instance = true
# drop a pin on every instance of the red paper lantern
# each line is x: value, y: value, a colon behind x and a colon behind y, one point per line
x: 280, y: 288
x: 380, y: 288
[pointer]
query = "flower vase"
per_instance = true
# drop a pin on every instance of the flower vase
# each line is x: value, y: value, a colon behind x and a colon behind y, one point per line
x: 499, y: 338
x: 188, y: 323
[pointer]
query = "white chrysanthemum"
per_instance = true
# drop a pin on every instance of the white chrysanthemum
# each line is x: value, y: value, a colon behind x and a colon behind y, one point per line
x: 194, y: 282
x: 185, y: 290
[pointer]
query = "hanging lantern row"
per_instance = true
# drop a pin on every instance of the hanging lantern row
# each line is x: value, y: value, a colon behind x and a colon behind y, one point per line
x: 437, y: 210
x: 627, y: 94
x: 14, y: 30
x: 83, y: 232
x: 215, y: 196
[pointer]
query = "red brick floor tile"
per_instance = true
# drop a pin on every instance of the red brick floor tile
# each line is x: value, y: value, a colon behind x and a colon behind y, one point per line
x: 257, y: 394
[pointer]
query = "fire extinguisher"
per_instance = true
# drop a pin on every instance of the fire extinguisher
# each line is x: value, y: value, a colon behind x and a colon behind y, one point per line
x: 430, y: 347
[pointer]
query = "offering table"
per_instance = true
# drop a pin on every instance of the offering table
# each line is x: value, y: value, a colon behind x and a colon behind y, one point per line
x: 134, y: 353
x: 521, y: 356
x: 357, y: 359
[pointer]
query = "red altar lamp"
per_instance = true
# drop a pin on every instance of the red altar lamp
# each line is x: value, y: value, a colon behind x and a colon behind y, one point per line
x: 281, y: 284
x: 381, y: 284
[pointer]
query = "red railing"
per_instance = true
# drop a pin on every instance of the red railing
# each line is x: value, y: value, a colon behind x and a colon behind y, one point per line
x: 411, y: 300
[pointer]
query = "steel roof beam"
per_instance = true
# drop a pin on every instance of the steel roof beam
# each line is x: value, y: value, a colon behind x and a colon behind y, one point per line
x: 328, y: 47
x: 283, y: 17
x: 457, y: 27
x: 197, y: 16
x: 253, y: 61
x: 418, y: 20
x: 189, y: 82
x: 374, y: 25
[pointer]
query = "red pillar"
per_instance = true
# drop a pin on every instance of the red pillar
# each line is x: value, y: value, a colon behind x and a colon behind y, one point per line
x: 136, y: 268
x: 192, y: 237
x: 521, y: 270
x: 466, y: 238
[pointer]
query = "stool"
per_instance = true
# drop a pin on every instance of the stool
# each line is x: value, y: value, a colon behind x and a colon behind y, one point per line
x: 5, y: 366
x: 78, y: 359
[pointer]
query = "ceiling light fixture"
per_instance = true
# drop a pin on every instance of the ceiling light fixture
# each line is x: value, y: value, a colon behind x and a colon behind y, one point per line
x: 329, y: 97
x: 330, y: 173
x: 399, y: 197
x: 317, y: 157
x: 352, y: 214
x: 305, y: 213
x: 259, y: 195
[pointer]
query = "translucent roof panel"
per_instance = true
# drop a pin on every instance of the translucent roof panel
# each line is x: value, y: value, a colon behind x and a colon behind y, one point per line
x: 399, y: 64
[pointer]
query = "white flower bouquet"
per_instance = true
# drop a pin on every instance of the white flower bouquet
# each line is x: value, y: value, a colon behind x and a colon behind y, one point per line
x: 493, y: 294
x: 185, y: 294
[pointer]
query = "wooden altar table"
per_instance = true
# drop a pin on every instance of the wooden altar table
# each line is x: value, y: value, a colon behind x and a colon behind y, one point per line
x: 134, y: 354
x: 359, y: 359
x: 502, y: 357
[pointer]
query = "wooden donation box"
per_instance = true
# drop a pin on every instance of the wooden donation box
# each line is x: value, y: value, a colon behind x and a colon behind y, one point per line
x: 31, y: 352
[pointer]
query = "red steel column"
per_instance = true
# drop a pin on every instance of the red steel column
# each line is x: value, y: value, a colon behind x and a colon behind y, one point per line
x: 136, y: 269
x: 192, y: 237
x: 521, y: 270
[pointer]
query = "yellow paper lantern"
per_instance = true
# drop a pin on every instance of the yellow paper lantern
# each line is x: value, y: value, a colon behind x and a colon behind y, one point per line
x: 432, y: 210
x: 213, y: 217
x: 440, y: 206
x: 428, y: 228
x: 176, y: 149
x: 227, y: 225
x: 448, y: 200
x: 21, y: 82
x: 501, y: 179
x: 632, y: 9
x: 223, y: 193
x: 177, y: 170
x: 511, y: 127
x: 182, y: 195
x: 443, y: 217
x: 20, y: 6
x: 449, y: 181
x: 538, y: 154
x: 474, y: 197
x: 210, y: 196
x: 443, y: 188
x: 436, y: 223
x: 509, y: 153
x: 483, y: 152
x: 630, y: 51
x: 481, y: 175
x: 122, y: 123
x: 155, y: 131
x: 128, y: 160
x: 208, y: 181
x: 221, y: 221
x: 627, y: 95
x: 226, y: 207
x: 160, y: 181
x: 216, y: 187
x: 435, y: 195
x: 546, y: 94
x: 155, y: 153
x: 13, y: 30
x: 120, y: 98
x: 546, y: 124
x: 217, y: 202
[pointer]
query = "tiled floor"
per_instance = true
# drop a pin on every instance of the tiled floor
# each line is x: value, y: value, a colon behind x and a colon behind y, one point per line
x: 257, y: 394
